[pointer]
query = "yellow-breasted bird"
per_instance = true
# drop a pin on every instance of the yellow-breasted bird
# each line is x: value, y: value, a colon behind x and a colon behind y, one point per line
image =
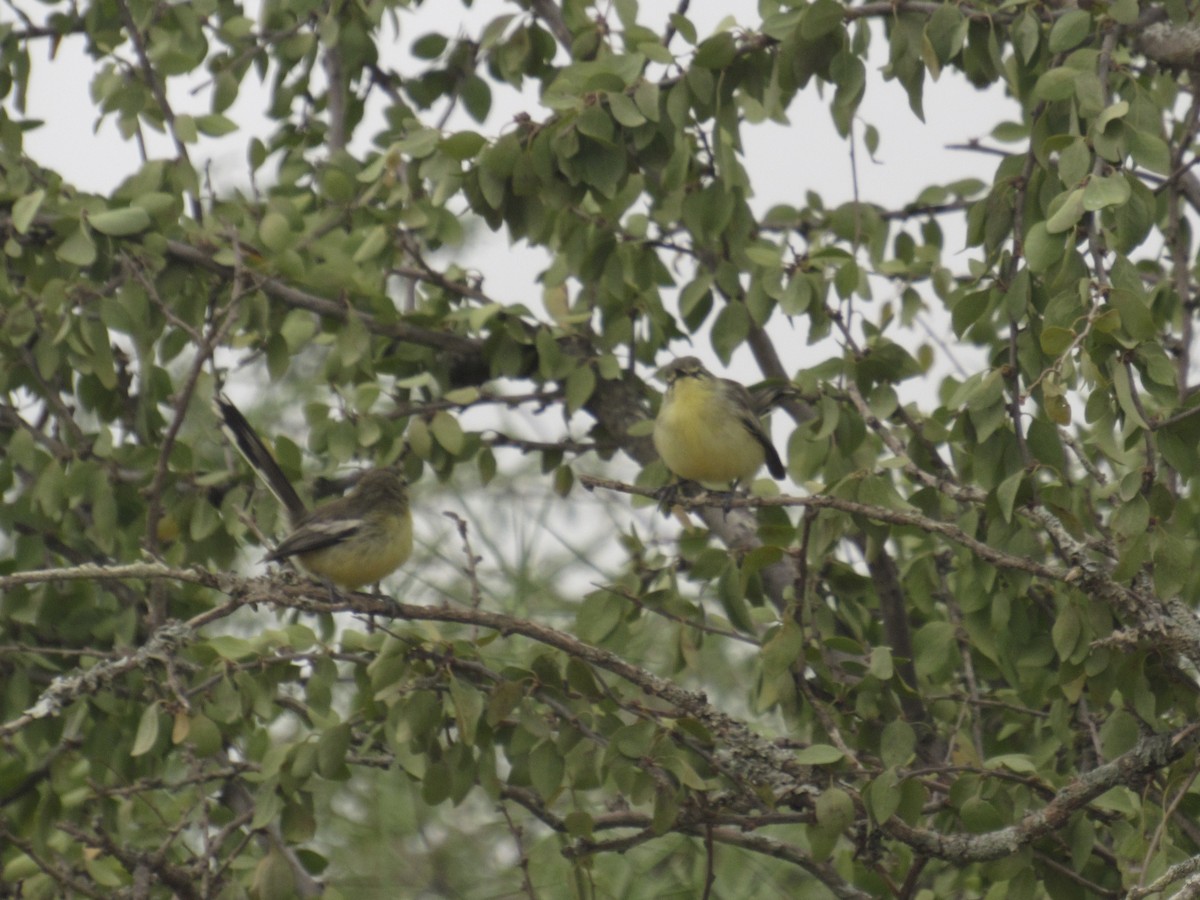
x: 355, y: 540
x: 707, y: 429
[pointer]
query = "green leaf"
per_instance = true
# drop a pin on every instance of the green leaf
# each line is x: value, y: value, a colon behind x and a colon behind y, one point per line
x: 1006, y: 493
x: 332, y: 747
x: 1043, y: 250
x: 204, y: 521
x: 1124, y: 392
x: 946, y: 31
x: 448, y: 432
x: 980, y: 817
x: 275, y: 231
x: 215, y: 125
x: 1091, y: 102
x: 967, y: 310
x: 372, y: 245
x: 733, y: 599
x: 1132, y: 517
x: 764, y: 253
x: 204, y: 736
x: 1111, y: 190
x: 1119, y: 734
x: 419, y: 143
x: 821, y: 18
x: 731, y: 328
x: 1082, y: 832
x: 185, y: 129
x: 1014, y: 762
x: 624, y: 110
x: 882, y: 798
x: 1070, y: 30
x: 930, y: 645
x: 418, y: 438
x: 477, y: 98
x: 1054, y: 340
x: 716, y: 52
x: 552, y: 362
x: 229, y: 647
x: 1057, y: 408
x: 835, y: 809
x: 463, y: 145
x: 898, y: 743
x: 1066, y: 632
x: 646, y: 97
x: 273, y: 877
x: 503, y: 700
x: 634, y: 741
x: 595, y: 123
x: 546, y: 768
x: 1016, y: 298
x: 78, y: 249
x: 1174, y: 559
x: 684, y: 27
x: 784, y: 649
x: 579, y: 825
x: 881, y: 664
x: 695, y: 300
x: 1149, y: 150
x: 25, y: 209
x: 1067, y: 210
x: 1074, y: 162
x: 468, y: 707
x: 1056, y: 84
x: 1026, y: 33
x: 598, y: 616
x: 666, y: 809
x: 430, y: 46
x: 818, y: 755
x: 336, y: 185
x: 1111, y: 113
x: 1124, y: 12
x: 581, y: 384
x: 147, y: 731
x: 1136, y: 318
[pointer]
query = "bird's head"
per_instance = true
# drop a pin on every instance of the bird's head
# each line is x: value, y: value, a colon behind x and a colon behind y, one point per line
x: 384, y: 482
x: 684, y: 367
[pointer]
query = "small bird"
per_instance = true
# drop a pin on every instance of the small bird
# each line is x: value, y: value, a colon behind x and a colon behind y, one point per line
x: 707, y: 429
x: 355, y: 540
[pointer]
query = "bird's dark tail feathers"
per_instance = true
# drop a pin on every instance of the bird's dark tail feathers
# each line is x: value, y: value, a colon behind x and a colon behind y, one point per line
x: 250, y: 445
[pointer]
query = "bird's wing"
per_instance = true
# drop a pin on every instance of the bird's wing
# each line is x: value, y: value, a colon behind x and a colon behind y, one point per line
x: 768, y: 396
x: 745, y: 407
x: 316, y: 535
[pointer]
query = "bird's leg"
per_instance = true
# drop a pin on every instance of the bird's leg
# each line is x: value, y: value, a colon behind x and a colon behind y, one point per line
x: 727, y: 506
x: 378, y: 594
x: 729, y: 495
x: 669, y: 493
x: 388, y: 600
x: 332, y: 588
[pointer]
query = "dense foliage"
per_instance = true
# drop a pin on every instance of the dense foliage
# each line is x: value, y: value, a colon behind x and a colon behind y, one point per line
x: 956, y: 655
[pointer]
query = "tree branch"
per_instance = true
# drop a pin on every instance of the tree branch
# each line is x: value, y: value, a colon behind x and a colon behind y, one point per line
x: 1149, y: 756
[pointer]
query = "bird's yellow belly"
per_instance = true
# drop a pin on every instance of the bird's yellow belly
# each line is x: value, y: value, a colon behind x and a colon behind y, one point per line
x: 375, y: 552
x: 701, y: 439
